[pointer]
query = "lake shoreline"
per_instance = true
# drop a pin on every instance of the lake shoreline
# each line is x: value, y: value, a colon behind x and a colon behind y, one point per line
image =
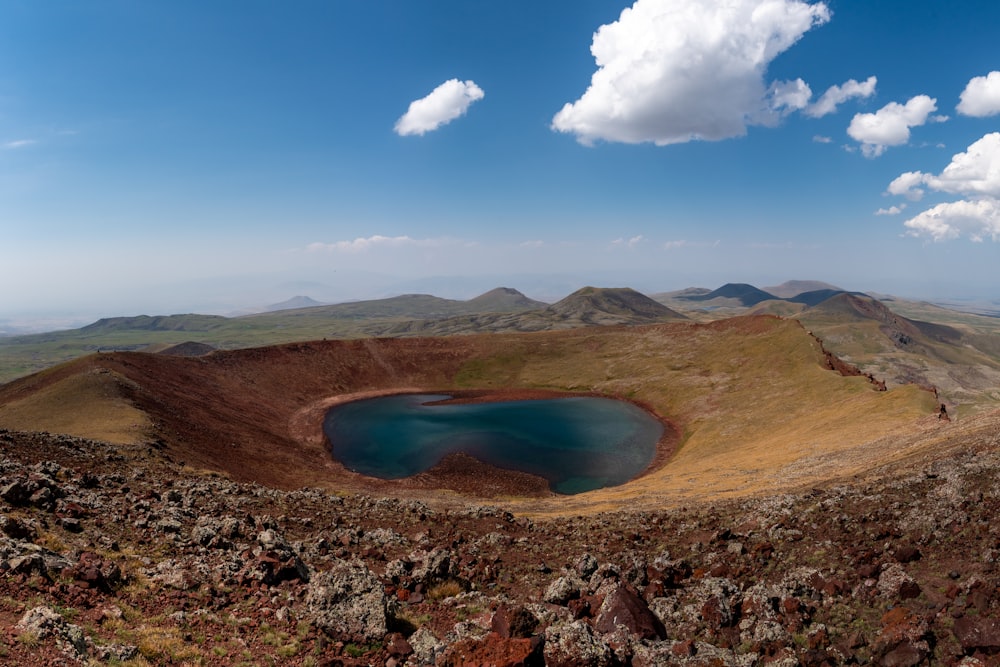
x: 476, y: 478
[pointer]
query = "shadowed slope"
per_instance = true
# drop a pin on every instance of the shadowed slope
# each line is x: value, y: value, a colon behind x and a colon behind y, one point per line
x: 959, y: 362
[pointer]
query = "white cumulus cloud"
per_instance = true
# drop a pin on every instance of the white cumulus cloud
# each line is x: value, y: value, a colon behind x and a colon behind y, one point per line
x: 978, y: 219
x: 672, y: 71
x: 981, y: 96
x: 444, y: 104
x: 836, y: 95
x: 890, y: 125
x: 975, y: 174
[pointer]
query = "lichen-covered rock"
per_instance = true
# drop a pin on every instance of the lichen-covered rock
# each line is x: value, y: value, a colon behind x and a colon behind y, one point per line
x: 43, y: 622
x: 894, y: 582
x: 563, y: 589
x: 348, y: 603
x: 575, y: 645
x: 426, y: 648
x: 586, y: 565
x: 431, y: 567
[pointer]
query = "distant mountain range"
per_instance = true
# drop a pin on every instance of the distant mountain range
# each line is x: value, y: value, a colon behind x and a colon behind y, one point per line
x: 959, y: 353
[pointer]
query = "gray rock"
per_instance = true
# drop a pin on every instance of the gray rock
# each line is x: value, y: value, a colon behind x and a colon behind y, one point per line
x: 575, y: 645
x: 586, y: 565
x: 431, y: 567
x: 43, y: 623
x: 348, y: 602
x: 563, y: 589
x: 426, y: 648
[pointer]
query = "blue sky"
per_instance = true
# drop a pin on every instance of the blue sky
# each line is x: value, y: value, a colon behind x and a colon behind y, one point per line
x: 189, y: 155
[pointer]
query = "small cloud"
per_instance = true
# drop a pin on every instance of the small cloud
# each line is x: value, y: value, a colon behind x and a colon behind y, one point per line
x: 674, y: 245
x: 820, y: 139
x: 18, y: 143
x: 771, y: 245
x: 892, y: 210
x: 787, y: 96
x: 372, y: 242
x: 836, y: 95
x: 685, y: 70
x: 630, y: 243
x: 890, y: 125
x: 532, y: 244
x: 981, y: 96
x: 444, y: 104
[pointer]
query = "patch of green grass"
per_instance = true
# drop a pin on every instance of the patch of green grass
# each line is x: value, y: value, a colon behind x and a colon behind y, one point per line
x: 29, y: 639
x: 357, y: 650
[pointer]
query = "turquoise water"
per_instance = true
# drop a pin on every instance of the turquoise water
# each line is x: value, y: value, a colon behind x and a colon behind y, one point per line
x: 578, y: 443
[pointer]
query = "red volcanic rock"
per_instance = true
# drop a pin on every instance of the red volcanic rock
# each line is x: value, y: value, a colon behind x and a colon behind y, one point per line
x: 398, y: 646
x: 496, y: 651
x: 514, y: 621
x: 92, y: 571
x: 978, y: 634
x: 903, y: 640
x: 624, y: 607
x: 907, y: 553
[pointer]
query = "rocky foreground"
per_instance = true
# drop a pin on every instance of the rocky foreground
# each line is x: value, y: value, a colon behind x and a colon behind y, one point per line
x: 114, y: 554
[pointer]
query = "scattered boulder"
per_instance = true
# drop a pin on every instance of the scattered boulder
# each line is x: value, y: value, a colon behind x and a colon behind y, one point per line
x: 348, y: 603
x: 92, y: 571
x: 902, y: 641
x: 43, y: 622
x: 978, y: 634
x: 515, y: 622
x: 574, y: 644
x: 563, y: 589
x: 624, y: 607
x: 426, y: 647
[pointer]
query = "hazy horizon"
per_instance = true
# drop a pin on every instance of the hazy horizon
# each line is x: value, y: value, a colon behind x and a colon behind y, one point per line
x: 545, y: 288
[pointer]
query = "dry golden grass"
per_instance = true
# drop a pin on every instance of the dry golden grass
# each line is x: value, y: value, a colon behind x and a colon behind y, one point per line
x: 86, y: 405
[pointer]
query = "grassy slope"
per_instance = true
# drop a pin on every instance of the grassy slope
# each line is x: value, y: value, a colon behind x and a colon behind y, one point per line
x: 88, y: 404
